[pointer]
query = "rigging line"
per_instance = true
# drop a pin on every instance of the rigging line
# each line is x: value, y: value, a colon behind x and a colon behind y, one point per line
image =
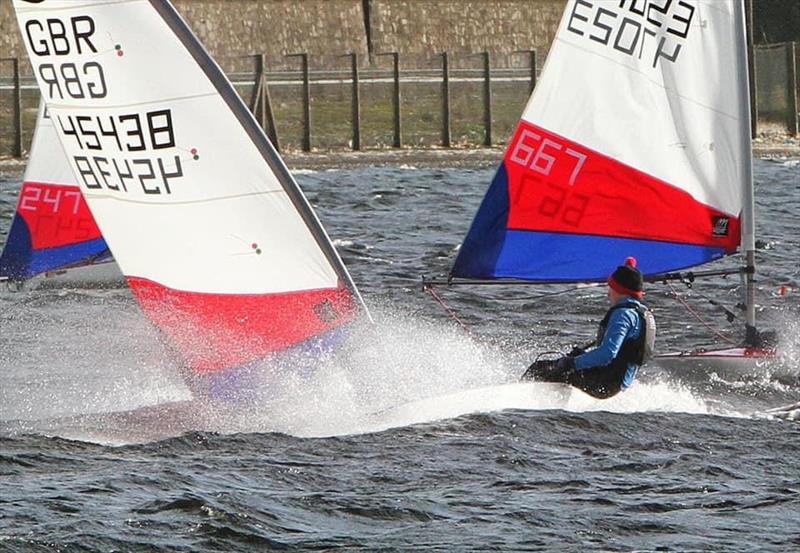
x: 433, y: 282
x: 658, y: 278
x: 544, y: 295
x: 697, y: 316
x: 730, y: 315
x: 447, y: 309
x: 72, y: 107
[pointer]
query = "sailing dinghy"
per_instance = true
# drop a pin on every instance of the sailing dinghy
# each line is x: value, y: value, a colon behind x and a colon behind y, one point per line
x: 636, y: 142
x: 217, y: 242
x: 53, y: 230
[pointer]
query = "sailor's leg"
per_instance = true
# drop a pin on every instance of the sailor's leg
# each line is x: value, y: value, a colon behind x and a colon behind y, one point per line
x: 599, y: 382
x: 545, y: 370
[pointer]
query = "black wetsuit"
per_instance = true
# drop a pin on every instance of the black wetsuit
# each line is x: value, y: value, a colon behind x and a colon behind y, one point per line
x: 607, y: 380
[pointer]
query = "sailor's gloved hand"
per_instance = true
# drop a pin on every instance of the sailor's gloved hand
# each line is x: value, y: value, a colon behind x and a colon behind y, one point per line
x: 541, y: 369
x: 576, y: 351
x: 566, y: 364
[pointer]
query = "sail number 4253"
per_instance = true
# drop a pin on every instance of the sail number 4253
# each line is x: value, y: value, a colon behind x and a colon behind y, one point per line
x: 542, y: 155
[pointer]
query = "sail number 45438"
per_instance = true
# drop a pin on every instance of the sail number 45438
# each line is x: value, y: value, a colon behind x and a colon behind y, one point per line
x: 542, y: 155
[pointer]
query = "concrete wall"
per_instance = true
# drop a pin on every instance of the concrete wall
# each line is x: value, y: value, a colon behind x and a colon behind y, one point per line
x: 9, y: 34
x: 277, y: 27
x: 418, y: 29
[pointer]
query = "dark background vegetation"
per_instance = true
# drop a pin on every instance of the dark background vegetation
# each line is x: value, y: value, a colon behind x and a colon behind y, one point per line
x: 776, y: 21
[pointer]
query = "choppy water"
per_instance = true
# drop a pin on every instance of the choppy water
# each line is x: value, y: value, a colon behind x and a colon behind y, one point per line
x: 102, y: 447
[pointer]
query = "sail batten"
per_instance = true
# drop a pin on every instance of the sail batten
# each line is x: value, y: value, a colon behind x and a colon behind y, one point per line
x: 631, y: 145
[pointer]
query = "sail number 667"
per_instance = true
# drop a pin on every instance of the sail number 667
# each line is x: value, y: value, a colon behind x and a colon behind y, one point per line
x: 541, y: 155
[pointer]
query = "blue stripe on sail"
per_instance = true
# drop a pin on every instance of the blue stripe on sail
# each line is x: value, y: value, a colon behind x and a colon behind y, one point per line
x: 484, y: 242
x: 544, y: 256
x: 16, y: 255
x: 20, y: 261
x: 490, y: 250
x: 250, y: 382
x: 51, y: 259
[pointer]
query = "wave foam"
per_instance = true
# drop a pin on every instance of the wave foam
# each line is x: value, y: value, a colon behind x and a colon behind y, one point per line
x: 404, y: 370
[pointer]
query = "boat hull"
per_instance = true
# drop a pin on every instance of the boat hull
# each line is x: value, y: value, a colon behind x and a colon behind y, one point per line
x: 103, y: 275
x: 736, y: 361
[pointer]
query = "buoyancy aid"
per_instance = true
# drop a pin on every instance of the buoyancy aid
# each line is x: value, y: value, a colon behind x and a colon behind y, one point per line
x: 606, y: 381
x: 638, y: 350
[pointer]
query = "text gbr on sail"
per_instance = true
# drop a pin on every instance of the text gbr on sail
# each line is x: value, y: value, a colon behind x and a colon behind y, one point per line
x: 54, y: 37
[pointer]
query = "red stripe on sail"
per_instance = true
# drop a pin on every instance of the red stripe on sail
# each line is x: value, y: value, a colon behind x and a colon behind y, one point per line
x: 218, y: 331
x: 56, y: 214
x: 557, y: 185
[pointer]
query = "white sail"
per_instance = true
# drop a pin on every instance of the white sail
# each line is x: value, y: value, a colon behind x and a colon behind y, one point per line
x: 634, y: 143
x: 655, y: 86
x: 216, y: 239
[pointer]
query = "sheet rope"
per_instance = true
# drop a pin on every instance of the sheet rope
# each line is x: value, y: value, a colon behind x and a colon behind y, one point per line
x: 699, y: 318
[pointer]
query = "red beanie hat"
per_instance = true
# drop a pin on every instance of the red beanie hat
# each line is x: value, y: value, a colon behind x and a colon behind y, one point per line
x: 627, y: 279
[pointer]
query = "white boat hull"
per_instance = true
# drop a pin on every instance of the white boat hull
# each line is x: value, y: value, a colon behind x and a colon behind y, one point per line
x: 527, y: 395
x: 102, y: 275
x: 736, y: 361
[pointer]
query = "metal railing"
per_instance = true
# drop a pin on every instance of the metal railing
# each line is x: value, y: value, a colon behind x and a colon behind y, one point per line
x: 15, y: 118
x: 386, y: 106
x: 776, y: 87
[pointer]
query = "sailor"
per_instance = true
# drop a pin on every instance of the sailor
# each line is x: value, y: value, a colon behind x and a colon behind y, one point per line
x: 624, y: 342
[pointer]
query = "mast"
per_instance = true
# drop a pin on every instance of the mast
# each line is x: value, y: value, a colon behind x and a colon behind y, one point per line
x: 746, y: 166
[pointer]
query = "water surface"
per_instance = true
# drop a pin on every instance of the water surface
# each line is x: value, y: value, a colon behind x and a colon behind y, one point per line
x: 103, y: 448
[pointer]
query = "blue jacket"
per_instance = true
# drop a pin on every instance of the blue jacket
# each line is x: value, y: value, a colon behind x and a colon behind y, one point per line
x: 624, y: 324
